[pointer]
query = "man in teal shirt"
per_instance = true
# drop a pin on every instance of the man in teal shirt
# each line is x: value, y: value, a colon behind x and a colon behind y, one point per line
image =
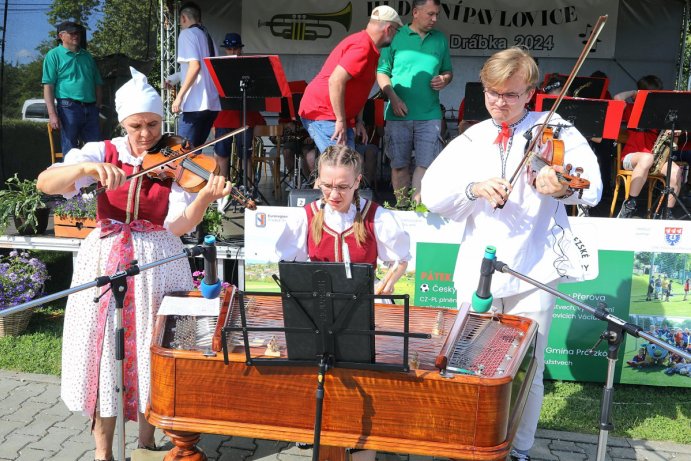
x: 411, y: 73
x: 71, y: 77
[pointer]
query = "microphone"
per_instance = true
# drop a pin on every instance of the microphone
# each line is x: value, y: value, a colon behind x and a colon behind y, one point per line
x: 210, y: 286
x: 482, y: 298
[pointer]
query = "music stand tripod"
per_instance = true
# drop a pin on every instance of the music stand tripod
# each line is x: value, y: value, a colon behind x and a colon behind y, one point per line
x: 664, y: 110
x: 118, y: 286
x: 248, y: 78
x: 614, y: 335
x: 333, y: 326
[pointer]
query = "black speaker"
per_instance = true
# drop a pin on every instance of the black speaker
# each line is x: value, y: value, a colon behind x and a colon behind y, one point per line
x: 301, y: 197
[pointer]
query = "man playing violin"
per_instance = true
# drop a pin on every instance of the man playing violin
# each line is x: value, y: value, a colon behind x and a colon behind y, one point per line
x: 527, y: 222
x: 139, y: 219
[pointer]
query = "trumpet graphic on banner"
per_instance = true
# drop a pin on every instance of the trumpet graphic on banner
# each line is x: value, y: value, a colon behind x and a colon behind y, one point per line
x: 307, y: 26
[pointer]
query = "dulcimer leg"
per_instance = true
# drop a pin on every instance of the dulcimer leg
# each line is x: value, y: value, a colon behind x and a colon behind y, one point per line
x: 185, y: 448
x: 331, y: 453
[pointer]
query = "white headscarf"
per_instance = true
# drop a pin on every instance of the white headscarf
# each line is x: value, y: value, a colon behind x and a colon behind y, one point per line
x: 136, y: 97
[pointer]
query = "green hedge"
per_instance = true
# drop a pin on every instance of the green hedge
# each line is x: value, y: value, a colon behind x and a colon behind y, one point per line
x: 25, y: 149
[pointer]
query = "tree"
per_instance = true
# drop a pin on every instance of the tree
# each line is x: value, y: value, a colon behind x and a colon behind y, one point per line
x: 72, y: 10
x: 119, y: 32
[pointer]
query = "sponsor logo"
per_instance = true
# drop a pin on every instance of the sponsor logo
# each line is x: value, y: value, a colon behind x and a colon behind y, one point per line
x: 673, y: 235
x: 260, y: 220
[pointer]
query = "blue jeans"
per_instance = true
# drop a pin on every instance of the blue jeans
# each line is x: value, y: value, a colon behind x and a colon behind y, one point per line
x: 196, y: 126
x: 78, y: 122
x: 322, y: 130
x: 244, y: 143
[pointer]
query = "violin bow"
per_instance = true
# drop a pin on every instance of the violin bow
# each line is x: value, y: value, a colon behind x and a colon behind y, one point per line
x: 178, y: 157
x: 599, y: 25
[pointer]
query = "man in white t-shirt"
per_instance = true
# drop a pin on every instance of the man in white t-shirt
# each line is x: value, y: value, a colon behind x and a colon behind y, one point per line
x: 197, y: 97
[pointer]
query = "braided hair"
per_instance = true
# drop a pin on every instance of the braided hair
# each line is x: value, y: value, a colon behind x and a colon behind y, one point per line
x: 340, y: 155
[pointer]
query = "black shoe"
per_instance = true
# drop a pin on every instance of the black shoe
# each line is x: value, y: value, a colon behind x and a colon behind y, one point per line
x: 628, y: 209
x: 518, y: 456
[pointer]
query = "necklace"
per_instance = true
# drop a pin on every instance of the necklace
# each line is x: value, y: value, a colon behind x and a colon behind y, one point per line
x: 505, y: 140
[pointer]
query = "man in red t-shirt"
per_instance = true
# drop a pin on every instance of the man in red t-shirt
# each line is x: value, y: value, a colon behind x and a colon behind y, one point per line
x: 331, y: 108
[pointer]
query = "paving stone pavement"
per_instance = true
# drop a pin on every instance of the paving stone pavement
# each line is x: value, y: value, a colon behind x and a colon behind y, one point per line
x: 35, y: 425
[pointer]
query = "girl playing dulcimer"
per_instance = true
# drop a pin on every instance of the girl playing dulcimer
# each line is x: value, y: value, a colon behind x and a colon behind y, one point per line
x: 341, y: 226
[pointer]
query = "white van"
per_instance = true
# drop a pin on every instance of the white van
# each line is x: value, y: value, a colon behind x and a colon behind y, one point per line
x: 35, y: 110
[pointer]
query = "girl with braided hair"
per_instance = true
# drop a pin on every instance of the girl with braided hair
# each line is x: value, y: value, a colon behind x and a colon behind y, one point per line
x: 342, y: 219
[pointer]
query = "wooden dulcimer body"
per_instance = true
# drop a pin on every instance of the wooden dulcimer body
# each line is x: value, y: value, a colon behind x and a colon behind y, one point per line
x: 471, y: 413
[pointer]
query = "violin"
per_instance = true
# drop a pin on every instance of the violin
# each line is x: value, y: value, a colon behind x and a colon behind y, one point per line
x: 544, y: 149
x: 172, y: 158
x: 550, y: 151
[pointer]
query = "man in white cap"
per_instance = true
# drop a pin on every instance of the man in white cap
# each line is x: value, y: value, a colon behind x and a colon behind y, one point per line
x: 140, y: 219
x: 331, y: 108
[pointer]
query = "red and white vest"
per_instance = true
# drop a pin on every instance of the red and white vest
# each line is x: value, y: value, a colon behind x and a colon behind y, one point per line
x: 330, y: 248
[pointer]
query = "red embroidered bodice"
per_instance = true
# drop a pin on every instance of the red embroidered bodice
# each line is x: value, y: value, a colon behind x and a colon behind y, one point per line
x: 330, y: 248
x: 141, y: 198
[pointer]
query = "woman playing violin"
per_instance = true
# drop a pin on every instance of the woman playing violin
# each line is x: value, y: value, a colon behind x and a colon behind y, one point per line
x: 527, y: 222
x: 139, y: 219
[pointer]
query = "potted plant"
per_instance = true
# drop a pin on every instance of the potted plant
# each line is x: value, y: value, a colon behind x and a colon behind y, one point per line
x: 21, y: 279
x: 25, y: 204
x: 75, y: 217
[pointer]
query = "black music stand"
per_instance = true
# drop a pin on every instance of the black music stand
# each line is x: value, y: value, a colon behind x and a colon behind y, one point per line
x: 474, y: 109
x: 663, y: 110
x: 248, y: 78
x: 582, y: 86
x: 594, y: 118
x: 329, y: 319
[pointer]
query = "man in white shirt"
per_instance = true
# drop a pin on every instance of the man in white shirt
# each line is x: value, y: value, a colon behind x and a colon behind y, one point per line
x: 197, y: 97
x: 526, y: 221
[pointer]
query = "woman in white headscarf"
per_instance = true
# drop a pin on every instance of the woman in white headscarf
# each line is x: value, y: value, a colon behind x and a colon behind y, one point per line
x: 139, y: 219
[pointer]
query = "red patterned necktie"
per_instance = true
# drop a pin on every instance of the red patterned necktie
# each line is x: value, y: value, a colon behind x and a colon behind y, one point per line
x: 504, y: 135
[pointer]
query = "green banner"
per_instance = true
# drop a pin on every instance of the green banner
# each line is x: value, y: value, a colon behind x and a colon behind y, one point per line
x: 575, y: 331
x: 434, y: 268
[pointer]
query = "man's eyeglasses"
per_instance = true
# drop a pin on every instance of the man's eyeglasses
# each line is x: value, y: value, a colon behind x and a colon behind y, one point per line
x: 509, y: 98
x: 340, y: 188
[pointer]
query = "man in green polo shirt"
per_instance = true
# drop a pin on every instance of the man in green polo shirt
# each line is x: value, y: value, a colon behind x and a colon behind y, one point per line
x: 71, y: 77
x: 411, y: 73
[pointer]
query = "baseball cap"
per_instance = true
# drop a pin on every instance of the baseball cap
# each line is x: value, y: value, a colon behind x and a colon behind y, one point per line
x: 69, y: 27
x: 232, y: 40
x: 386, y: 13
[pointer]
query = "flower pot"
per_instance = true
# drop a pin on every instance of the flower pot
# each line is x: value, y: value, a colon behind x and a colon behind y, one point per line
x: 42, y: 218
x: 73, y: 227
x: 15, y: 324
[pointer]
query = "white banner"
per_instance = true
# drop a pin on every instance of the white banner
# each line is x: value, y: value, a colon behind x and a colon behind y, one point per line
x: 555, y: 28
x: 264, y: 225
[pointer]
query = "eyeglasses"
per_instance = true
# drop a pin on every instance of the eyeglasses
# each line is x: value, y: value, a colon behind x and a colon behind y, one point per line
x: 509, y: 98
x: 340, y: 188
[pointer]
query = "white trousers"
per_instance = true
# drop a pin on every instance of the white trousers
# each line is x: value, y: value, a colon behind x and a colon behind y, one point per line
x: 536, y: 305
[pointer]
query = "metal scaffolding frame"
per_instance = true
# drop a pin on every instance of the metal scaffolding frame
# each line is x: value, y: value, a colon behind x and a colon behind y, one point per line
x: 169, y: 14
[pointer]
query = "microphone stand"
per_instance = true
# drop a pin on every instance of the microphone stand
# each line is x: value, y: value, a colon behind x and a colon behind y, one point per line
x: 118, y: 284
x: 614, y: 334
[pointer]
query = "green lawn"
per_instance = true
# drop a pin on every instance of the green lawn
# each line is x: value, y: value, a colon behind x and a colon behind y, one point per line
x: 675, y: 307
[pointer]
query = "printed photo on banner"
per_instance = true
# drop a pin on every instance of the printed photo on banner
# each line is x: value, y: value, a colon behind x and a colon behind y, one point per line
x: 643, y: 272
